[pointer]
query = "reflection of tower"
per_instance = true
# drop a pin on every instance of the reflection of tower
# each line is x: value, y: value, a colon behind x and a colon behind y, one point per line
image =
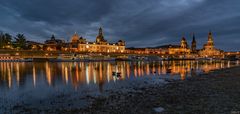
x: 194, y: 44
x: 193, y: 72
x: 101, y: 80
x: 101, y: 83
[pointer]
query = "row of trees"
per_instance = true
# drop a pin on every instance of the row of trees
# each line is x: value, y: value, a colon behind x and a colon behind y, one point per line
x: 7, y: 41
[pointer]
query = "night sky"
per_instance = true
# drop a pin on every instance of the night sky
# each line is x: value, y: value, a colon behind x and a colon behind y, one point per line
x: 141, y: 23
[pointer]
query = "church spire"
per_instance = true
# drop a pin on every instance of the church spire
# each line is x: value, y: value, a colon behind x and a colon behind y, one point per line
x: 210, y: 38
x: 53, y: 37
x: 193, y: 40
x: 194, y: 43
x: 100, y: 32
x: 100, y: 37
x: 210, y: 42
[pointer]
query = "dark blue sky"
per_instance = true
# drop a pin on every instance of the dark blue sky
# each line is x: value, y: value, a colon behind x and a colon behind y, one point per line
x: 139, y: 22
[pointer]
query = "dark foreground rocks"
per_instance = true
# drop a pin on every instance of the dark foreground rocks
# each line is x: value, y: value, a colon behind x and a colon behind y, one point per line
x: 215, y: 93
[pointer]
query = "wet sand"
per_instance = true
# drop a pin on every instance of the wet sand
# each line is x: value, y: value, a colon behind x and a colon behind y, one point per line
x: 214, y: 93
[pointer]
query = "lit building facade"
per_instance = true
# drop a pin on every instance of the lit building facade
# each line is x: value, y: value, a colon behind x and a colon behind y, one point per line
x: 53, y: 44
x: 209, y: 50
x: 79, y: 44
x: 181, y: 49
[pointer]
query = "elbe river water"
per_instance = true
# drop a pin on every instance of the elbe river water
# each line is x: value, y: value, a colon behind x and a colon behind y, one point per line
x: 16, y: 77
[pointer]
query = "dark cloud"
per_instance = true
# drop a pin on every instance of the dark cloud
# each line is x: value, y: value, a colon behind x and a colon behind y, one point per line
x: 140, y: 22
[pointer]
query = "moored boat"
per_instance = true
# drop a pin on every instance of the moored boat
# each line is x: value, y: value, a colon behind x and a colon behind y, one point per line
x: 65, y: 58
x: 10, y: 58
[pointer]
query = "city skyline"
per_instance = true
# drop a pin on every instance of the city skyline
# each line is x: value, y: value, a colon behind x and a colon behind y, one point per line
x: 154, y: 24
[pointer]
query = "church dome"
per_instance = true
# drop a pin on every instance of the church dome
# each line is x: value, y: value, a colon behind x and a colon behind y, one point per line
x: 183, y: 39
x: 75, y: 38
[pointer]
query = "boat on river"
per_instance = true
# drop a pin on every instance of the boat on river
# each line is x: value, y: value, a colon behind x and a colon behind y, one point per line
x: 67, y: 58
x: 10, y: 58
x: 80, y: 58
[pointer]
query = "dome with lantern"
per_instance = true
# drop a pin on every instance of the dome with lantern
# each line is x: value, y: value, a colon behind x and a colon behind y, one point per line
x: 75, y: 38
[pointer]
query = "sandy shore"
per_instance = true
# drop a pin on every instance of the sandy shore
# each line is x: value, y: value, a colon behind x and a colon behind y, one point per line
x: 214, y: 93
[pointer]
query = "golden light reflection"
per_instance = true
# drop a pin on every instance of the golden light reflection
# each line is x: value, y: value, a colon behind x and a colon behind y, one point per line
x: 100, y: 72
x: 18, y: 73
x: 48, y: 74
x: 9, y: 76
x: 66, y: 74
x: 34, y: 75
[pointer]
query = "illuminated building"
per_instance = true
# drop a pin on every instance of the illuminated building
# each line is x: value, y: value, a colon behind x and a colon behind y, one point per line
x: 170, y: 49
x: 100, y: 45
x: 137, y: 50
x: 53, y: 44
x: 209, y: 50
x: 35, y: 45
x: 182, y: 50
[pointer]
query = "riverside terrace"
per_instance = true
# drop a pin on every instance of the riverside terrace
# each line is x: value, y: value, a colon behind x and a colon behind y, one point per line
x: 44, y: 55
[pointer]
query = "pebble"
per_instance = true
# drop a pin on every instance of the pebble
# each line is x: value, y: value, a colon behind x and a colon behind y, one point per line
x: 158, y: 109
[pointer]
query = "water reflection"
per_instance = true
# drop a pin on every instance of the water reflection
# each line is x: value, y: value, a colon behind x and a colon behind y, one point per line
x: 75, y: 74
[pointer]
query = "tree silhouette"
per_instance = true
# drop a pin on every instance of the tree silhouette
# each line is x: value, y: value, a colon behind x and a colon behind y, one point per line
x: 20, y: 41
x: 5, y: 40
x: 1, y: 40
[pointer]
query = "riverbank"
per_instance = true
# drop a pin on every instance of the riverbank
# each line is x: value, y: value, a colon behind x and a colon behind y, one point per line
x: 216, y: 92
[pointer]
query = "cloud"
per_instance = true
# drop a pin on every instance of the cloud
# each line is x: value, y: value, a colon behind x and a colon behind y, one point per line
x: 141, y: 23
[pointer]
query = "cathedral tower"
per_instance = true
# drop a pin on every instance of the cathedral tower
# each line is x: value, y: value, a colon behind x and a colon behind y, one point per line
x: 210, y: 43
x: 210, y: 39
x: 184, y: 43
x: 194, y: 44
x: 100, y: 37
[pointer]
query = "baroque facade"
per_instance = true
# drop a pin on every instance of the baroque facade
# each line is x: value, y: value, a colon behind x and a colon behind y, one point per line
x: 183, y: 49
x: 80, y: 44
x: 209, y: 49
x: 53, y: 44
